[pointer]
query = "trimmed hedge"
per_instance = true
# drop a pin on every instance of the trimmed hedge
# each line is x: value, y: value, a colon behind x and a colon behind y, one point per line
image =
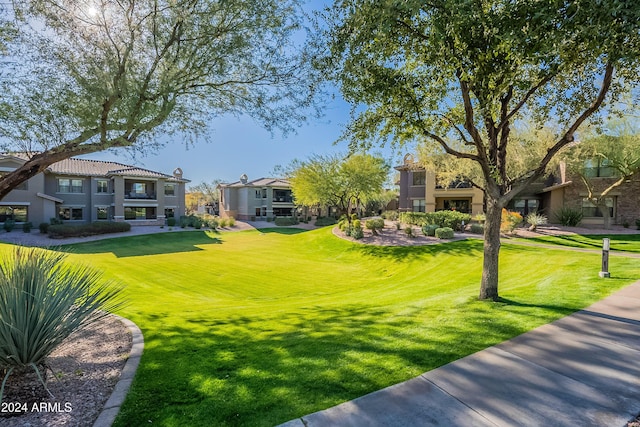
x: 83, y: 230
x: 477, y: 229
x: 374, y: 225
x: 324, y: 221
x: 444, y: 233
x: 451, y: 219
x: 283, y: 221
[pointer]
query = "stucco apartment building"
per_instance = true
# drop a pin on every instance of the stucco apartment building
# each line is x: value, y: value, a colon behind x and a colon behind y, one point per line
x: 80, y: 190
x: 258, y: 199
x: 419, y: 192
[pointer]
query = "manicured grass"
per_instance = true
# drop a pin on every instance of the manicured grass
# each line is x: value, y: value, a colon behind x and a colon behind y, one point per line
x: 619, y: 242
x: 252, y: 328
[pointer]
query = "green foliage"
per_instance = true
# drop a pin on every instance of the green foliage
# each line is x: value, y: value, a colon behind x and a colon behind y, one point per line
x: 374, y: 225
x: 283, y: 221
x: 9, y: 225
x: 27, y: 226
x: 476, y: 228
x: 409, y: 231
x: 451, y: 219
x: 223, y: 222
x: 430, y: 229
x: 569, y: 217
x: 324, y: 221
x: 481, y: 218
x: 44, y: 227
x: 356, y: 229
x: 390, y: 215
x: 535, y: 219
x: 44, y: 300
x: 55, y: 221
x: 444, y: 233
x: 171, y: 222
x: 232, y: 221
x: 83, y: 230
x: 336, y: 181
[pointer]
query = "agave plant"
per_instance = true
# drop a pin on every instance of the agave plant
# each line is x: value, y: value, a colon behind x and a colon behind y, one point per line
x: 535, y: 219
x: 43, y: 300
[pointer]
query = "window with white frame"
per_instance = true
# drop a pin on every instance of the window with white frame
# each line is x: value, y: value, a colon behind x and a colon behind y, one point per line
x: 17, y: 213
x: 169, y: 189
x: 102, y: 186
x: 69, y: 185
x: 419, y: 205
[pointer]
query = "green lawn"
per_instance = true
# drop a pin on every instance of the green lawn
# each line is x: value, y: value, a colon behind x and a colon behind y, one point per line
x: 256, y: 328
x: 619, y: 242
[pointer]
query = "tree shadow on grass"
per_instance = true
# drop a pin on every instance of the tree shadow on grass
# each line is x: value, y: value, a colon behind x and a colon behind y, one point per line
x: 148, y: 244
x: 403, y: 253
x: 254, y: 369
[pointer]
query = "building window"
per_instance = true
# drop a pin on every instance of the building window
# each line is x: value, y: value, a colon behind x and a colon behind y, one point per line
x: 66, y: 185
x: 139, y: 213
x: 418, y: 205
x: 21, y: 186
x: 73, y: 214
x: 460, y: 205
x: 169, y: 213
x: 102, y: 186
x: 169, y: 189
x: 598, y: 168
x: 419, y: 178
x: 102, y: 213
x: 258, y: 211
x: 258, y: 194
x: 15, y: 213
x: 264, y: 193
x: 526, y: 206
x: 590, y: 210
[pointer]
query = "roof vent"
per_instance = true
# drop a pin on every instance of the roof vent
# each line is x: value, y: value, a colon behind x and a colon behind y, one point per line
x: 177, y: 173
x: 244, y: 178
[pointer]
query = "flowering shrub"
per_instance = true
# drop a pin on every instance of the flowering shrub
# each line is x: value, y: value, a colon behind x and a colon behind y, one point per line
x: 510, y: 221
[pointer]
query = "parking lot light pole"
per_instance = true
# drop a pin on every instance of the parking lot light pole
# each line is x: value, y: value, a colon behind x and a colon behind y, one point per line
x: 605, y: 258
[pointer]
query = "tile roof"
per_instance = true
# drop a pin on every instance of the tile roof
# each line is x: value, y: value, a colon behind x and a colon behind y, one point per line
x: 260, y: 182
x: 86, y: 167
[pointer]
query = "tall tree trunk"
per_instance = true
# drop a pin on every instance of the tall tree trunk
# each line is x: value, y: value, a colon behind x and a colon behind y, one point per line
x: 489, y: 284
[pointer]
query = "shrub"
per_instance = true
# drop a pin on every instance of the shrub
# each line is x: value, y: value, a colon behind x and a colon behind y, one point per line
x: 390, y: 215
x: 44, y: 300
x: 44, y: 227
x: 213, y: 223
x: 357, y: 233
x: 83, y: 230
x: 429, y: 229
x: 569, y: 217
x: 398, y: 225
x: 324, y: 221
x: 26, y: 227
x: 444, y: 233
x: 354, y: 217
x: 223, y: 222
x: 232, y: 221
x: 510, y: 221
x: 535, y: 219
x: 480, y: 217
x: 55, y: 221
x: 413, y: 218
x: 476, y: 228
x: 283, y: 221
x: 197, y: 223
x: 374, y: 225
x: 409, y: 231
x: 171, y: 222
x: 9, y: 224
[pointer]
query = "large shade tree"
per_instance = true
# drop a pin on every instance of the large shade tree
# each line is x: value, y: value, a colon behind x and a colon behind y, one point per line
x: 458, y: 74
x: 89, y: 76
x: 331, y: 180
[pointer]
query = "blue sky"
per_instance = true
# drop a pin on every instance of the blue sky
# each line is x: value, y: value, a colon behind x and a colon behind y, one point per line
x: 240, y: 146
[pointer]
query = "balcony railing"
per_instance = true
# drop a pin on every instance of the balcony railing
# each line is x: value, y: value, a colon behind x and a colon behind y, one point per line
x: 138, y: 196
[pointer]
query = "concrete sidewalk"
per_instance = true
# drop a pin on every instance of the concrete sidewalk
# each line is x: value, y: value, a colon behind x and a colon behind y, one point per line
x: 582, y: 370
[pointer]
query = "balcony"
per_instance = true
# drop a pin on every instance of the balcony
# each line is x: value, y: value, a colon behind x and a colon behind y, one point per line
x: 139, y: 190
x: 140, y: 196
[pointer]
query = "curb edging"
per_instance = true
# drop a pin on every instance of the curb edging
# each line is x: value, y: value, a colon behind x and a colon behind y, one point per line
x: 112, y: 407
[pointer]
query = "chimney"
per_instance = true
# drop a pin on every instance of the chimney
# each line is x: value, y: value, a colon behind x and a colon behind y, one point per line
x: 244, y: 178
x: 177, y: 173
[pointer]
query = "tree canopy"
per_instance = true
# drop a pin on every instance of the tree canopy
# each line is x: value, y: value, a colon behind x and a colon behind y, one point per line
x: 131, y: 73
x: 459, y: 74
x: 612, y: 153
x: 336, y: 181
